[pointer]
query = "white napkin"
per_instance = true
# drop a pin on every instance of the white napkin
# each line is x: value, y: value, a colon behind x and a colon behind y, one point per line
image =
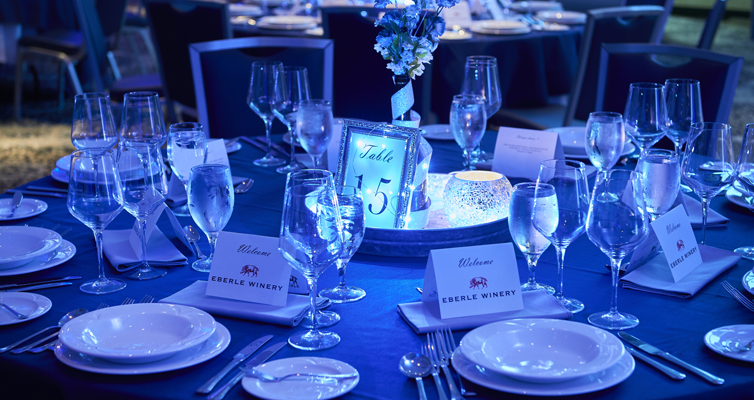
x: 177, y: 192
x: 290, y: 315
x: 655, y: 275
x: 589, y: 169
x: 537, y: 304
x: 160, y: 251
x: 694, y: 210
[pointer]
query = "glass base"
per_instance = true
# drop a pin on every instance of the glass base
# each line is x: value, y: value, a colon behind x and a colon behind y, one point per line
x: 102, y: 286
x: 202, y: 265
x: 181, y: 211
x: 746, y: 252
x: 144, y: 274
x: 269, y: 161
x: 324, y: 319
x: 292, y: 167
x: 572, y: 305
x: 345, y: 294
x: 526, y: 287
x: 613, y: 321
x: 314, y: 340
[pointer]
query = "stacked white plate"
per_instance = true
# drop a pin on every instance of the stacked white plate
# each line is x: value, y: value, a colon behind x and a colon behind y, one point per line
x: 287, y: 22
x: 503, y: 27
x: 20, y: 245
x: 563, y: 17
x: 542, y: 357
x: 245, y: 10
x: 26, y: 208
x: 573, y: 140
x: 534, y: 6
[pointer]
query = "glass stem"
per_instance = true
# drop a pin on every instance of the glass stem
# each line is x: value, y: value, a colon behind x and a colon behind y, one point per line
x: 531, y: 262
x: 312, y: 282
x: 342, y: 273
x: 268, y: 135
x: 705, y: 211
x: 293, y: 146
x: 615, y: 268
x: 560, y: 251
x: 315, y: 160
x: 98, y: 242
x: 144, y: 238
x: 467, y: 156
x: 212, y: 238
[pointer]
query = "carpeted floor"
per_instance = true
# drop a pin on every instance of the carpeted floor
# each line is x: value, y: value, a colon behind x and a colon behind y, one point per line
x: 28, y: 150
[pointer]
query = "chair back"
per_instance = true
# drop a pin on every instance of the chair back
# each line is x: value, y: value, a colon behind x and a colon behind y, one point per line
x: 96, y: 43
x: 711, y: 25
x: 222, y: 73
x: 623, y: 64
x: 112, y: 16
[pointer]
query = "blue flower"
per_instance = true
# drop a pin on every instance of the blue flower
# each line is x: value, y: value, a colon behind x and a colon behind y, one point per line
x: 446, y: 3
x: 382, y: 3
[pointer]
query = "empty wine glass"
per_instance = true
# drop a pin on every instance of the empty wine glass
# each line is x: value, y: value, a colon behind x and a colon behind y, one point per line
x: 605, y: 138
x: 310, y: 240
x: 211, y: 199
x: 314, y: 127
x: 144, y: 186
x: 296, y: 90
x: 266, y: 88
x: 481, y: 77
x: 661, y: 180
x: 561, y: 203
x: 468, y: 119
x: 617, y: 223
x: 526, y: 237
x: 93, y: 127
x: 142, y: 118
x: 187, y: 147
x: 708, y: 164
x: 684, y: 107
x: 94, y: 198
x: 745, y: 178
x: 646, y: 114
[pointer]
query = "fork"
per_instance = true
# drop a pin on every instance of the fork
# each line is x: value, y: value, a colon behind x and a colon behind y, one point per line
x: 147, y: 299
x: 441, y: 354
x: 427, y: 351
x: 127, y: 301
x: 738, y: 296
x: 324, y: 377
x: 450, y: 343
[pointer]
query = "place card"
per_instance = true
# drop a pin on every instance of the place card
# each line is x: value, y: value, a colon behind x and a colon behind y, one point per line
x: 217, y: 153
x: 476, y: 280
x: 678, y: 242
x: 459, y: 14
x: 518, y: 152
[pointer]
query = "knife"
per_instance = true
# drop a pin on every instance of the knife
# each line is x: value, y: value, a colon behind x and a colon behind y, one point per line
x: 53, y: 280
x: 240, y: 357
x: 258, y: 359
x: 673, y: 374
x: 47, y: 189
x: 17, y: 197
x: 669, y: 357
x: 35, y: 287
x: 32, y: 193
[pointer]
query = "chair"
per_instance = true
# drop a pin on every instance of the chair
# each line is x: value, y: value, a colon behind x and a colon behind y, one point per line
x: 623, y: 64
x: 711, y: 24
x: 222, y: 73
x: 112, y: 15
x: 666, y: 4
x: 174, y: 26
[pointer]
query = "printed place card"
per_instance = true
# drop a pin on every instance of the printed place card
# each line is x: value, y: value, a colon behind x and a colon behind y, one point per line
x: 518, y: 152
x: 475, y: 280
x: 678, y: 242
x: 217, y: 153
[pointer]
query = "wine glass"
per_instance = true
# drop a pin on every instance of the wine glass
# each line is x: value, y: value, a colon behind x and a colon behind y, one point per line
x: 187, y: 147
x: 684, y: 105
x: 617, y: 223
x: 561, y: 203
x: 661, y: 180
x: 94, y: 198
x: 745, y: 178
x: 468, y: 118
x: 210, y: 199
x: 142, y: 118
x: 481, y: 77
x: 708, y: 165
x: 646, y: 114
x: 296, y: 89
x: 93, y: 127
x: 310, y: 240
x: 526, y: 237
x: 266, y: 88
x: 351, y: 205
x: 144, y: 186
x: 605, y: 138
x: 314, y: 127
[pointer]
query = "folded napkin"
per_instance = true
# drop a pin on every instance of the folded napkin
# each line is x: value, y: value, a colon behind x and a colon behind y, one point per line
x: 290, y: 315
x: 655, y: 275
x: 177, y: 192
x: 160, y: 251
x: 537, y: 304
x: 694, y: 211
x: 589, y: 169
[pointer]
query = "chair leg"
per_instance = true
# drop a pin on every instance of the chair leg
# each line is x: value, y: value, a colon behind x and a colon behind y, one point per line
x: 113, y: 65
x: 18, y: 87
x: 61, y: 86
x: 74, y: 78
x: 144, y: 32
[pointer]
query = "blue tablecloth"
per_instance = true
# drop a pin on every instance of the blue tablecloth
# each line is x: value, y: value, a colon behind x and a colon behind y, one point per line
x: 374, y: 337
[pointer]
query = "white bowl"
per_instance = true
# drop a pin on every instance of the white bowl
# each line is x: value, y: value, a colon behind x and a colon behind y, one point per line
x: 138, y: 333
x: 21, y: 244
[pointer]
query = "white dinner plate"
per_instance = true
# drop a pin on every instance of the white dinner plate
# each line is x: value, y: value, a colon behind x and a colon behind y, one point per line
x: 31, y: 304
x: 542, y: 350
x: 215, y: 345
x: 301, y: 389
x: 264, y: 25
x: 289, y: 20
x: 59, y: 175
x: 534, y: 6
x: 63, y: 253
x: 461, y: 34
x: 20, y: 244
x: 26, y: 208
x: 437, y: 132
x: 63, y: 163
x: 502, y: 27
x: 138, y: 333
x: 245, y: 10
x: 736, y: 197
x: 563, y: 17
x: 234, y: 147
x: 748, y: 281
x: 720, y: 340
x: 318, y: 31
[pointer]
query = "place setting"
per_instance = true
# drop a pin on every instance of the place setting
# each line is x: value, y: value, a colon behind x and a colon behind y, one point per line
x: 287, y: 22
x: 500, y: 27
x: 27, y: 249
x: 17, y: 207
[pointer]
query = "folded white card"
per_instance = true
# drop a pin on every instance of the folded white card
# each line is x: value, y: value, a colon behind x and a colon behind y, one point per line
x: 677, y: 239
x: 217, y: 153
x: 459, y: 14
x: 518, y: 152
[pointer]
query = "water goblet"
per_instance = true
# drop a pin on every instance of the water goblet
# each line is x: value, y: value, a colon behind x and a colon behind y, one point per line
x: 93, y: 128
x: 708, y: 165
x: 142, y: 178
x: 266, y: 88
x: 684, y: 107
x: 296, y: 90
x: 310, y: 240
x: 605, y: 138
x: 660, y: 175
x: 481, y: 77
x: 617, y: 223
x: 468, y: 118
x: 646, y: 114
x: 561, y: 203
x: 187, y: 147
x: 210, y: 199
x: 526, y: 237
x: 314, y: 127
x: 94, y: 198
x: 745, y: 178
x: 142, y: 118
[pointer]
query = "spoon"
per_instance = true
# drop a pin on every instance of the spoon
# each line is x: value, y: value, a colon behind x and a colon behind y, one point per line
x: 66, y: 318
x: 17, y: 197
x: 417, y: 366
x: 244, y: 186
x: 192, y: 235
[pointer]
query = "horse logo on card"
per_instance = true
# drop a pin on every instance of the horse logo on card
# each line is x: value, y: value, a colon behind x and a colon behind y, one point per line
x: 478, y: 283
x: 249, y: 270
x: 680, y: 245
x: 293, y: 282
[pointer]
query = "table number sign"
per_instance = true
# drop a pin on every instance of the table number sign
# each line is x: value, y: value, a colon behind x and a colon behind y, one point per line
x: 518, y: 152
x: 678, y: 242
x: 465, y: 281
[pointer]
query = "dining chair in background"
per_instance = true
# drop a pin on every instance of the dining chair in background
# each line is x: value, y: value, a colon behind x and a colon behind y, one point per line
x: 222, y: 74
x: 711, y: 24
x: 136, y: 25
x: 112, y: 15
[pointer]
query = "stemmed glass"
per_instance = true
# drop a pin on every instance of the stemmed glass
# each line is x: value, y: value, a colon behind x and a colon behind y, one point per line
x: 481, y: 77
x: 187, y: 147
x: 605, y: 138
x: 266, y: 89
x: 142, y: 118
x: 661, y: 180
x: 310, y: 240
x: 526, y: 237
x: 93, y: 127
x: 210, y: 200
x: 708, y: 165
x: 561, y: 203
x: 94, y: 198
x: 296, y: 90
x: 745, y: 178
x: 468, y: 118
x: 144, y: 186
x: 684, y: 107
x: 617, y: 223
x: 646, y: 114
x: 314, y: 127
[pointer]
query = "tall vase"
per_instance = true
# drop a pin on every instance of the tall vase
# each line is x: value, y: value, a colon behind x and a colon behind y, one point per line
x: 403, y: 98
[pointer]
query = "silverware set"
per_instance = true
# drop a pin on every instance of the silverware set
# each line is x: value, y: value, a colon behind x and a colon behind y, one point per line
x: 260, y: 358
x: 436, y: 352
x: 738, y: 296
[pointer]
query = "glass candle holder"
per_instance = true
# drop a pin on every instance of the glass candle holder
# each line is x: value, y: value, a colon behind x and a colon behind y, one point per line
x: 476, y: 197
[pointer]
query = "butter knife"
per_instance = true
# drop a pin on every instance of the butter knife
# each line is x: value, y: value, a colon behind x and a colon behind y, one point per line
x: 17, y: 198
x: 35, y: 287
x: 671, y: 358
x: 240, y: 357
x: 32, y: 193
x: 673, y: 374
x: 258, y: 359
x: 54, y: 280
